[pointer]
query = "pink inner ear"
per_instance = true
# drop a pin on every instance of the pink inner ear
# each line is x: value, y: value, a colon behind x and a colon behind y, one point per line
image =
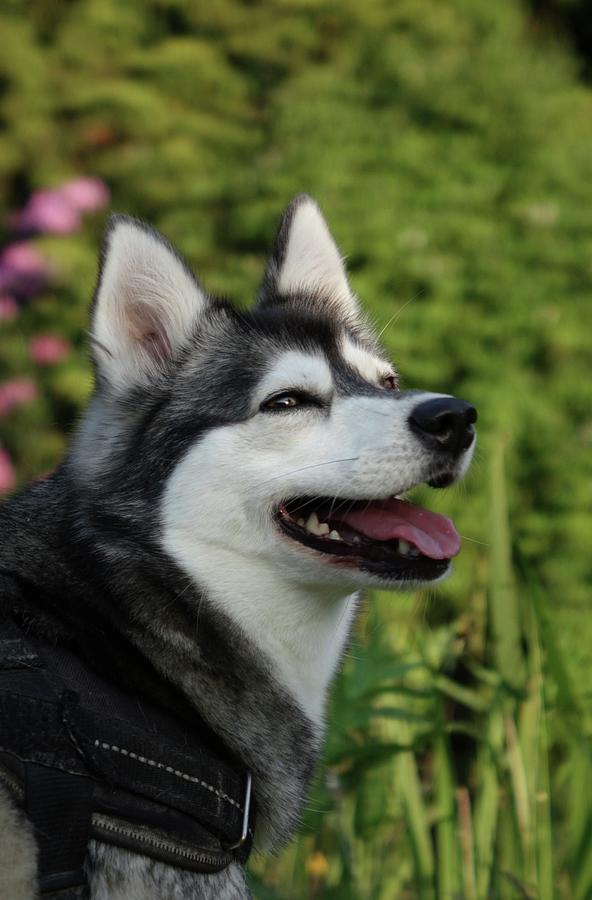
x: 157, y: 345
x: 148, y: 330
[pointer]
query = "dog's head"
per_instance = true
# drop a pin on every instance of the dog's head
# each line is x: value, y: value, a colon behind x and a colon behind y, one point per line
x: 278, y: 434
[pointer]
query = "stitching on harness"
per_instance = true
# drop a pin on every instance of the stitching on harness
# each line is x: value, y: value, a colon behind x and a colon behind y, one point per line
x: 158, y: 765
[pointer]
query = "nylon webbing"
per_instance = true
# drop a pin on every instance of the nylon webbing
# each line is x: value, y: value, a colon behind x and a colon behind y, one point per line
x: 59, y: 806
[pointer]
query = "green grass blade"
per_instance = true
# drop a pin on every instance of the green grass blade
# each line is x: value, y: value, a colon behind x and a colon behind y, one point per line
x: 447, y: 855
x: 504, y: 609
x: 418, y: 825
x: 487, y: 803
x: 465, y: 828
x: 580, y: 818
x: 534, y: 748
x: 544, y: 842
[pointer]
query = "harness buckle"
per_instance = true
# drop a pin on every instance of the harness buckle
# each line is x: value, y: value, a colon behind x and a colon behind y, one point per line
x: 246, y: 815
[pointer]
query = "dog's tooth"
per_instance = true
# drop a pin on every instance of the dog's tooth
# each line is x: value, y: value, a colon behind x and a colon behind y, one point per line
x: 312, y: 523
x: 414, y: 552
x: 404, y: 547
x: 323, y: 528
x: 335, y: 536
x: 356, y: 539
x: 301, y: 522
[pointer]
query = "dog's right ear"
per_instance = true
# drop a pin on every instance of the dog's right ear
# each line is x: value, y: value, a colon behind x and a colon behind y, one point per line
x: 145, y: 308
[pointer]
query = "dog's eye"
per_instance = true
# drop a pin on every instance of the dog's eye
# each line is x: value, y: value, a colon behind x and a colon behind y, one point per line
x: 390, y: 382
x: 287, y: 400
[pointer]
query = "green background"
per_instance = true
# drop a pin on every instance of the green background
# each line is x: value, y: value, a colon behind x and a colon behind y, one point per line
x: 449, y: 143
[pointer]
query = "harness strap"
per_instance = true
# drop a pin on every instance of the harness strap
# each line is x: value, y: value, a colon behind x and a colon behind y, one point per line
x: 73, y: 893
x: 59, y: 806
x: 58, y: 803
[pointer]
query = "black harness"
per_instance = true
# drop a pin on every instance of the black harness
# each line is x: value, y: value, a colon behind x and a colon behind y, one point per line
x: 86, y: 760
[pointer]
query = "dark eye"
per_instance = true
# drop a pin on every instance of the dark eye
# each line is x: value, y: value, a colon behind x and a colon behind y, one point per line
x: 390, y: 383
x: 288, y: 400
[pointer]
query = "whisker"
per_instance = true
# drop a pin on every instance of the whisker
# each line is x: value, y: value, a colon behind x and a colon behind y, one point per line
x: 333, y: 501
x: 396, y: 314
x: 327, y: 462
x: 178, y: 596
x: 306, y: 502
x: 377, y: 412
x: 200, y: 604
x: 347, y: 502
x: 475, y: 541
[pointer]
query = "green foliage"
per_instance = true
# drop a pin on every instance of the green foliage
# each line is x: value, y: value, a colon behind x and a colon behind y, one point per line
x: 451, y: 153
x: 445, y: 779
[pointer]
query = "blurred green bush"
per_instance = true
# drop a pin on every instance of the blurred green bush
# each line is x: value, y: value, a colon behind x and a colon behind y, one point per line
x: 449, y: 145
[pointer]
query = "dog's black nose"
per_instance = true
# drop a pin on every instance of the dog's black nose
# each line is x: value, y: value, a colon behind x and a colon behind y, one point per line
x: 445, y: 423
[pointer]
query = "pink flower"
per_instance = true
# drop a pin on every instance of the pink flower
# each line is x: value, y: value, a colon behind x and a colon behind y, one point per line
x: 47, y: 211
x: 48, y: 349
x: 8, y: 308
x: 86, y: 194
x: 57, y: 210
x: 7, y: 473
x: 16, y: 392
x: 23, y: 271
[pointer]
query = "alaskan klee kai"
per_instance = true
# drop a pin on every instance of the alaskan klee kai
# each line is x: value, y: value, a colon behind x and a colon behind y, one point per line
x: 235, y: 481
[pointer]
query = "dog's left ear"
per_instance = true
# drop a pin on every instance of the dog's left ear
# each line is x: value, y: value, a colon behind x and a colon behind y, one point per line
x: 146, y: 306
x: 306, y: 262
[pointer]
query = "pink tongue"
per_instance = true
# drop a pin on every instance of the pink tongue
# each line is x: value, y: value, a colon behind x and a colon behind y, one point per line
x: 433, y: 535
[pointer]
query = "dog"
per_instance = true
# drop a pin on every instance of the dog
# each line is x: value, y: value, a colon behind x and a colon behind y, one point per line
x: 236, y: 480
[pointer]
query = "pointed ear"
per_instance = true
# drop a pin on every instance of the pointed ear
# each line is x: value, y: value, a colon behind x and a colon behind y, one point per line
x: 306, y: 261
x: 145, y: 307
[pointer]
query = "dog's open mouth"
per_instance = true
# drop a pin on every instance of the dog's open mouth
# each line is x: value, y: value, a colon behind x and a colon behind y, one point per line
x: 390, y: 538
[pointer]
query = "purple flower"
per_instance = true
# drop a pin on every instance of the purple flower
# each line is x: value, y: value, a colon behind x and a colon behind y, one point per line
x: 7, y: 473
x: 48, y: 349
x: 86, y: 194
x: 8, y: 308
x: 16, y: 392
x: 23, y: 271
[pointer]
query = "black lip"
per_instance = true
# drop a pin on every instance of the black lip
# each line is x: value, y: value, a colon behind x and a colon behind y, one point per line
x: 377, y: 558
x: 417, y: 569
x: 442, y: 481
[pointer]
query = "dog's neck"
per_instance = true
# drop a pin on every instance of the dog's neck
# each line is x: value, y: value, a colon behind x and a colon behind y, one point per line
x: 255, y: 654
x: 300, y: 629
